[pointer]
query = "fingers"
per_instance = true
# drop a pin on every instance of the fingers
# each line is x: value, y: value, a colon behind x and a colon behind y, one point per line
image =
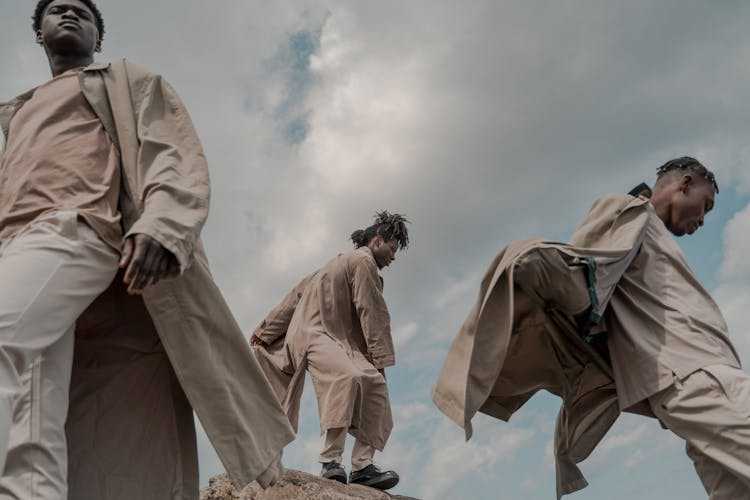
x: 149, y: 263
x: 147, y: 270
x: 134, y: 261
x: 127, y: 252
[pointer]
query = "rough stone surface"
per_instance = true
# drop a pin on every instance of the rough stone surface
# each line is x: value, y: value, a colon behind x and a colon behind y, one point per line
x: 294, y: 486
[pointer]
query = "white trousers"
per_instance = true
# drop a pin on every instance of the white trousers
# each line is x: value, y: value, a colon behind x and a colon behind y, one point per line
x: 49, y: 273
x: 334, y: 450
x: 710, y: 410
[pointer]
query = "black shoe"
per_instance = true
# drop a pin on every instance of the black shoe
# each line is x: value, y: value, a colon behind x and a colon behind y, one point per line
x: 334, y: 471
x: 373, y: 477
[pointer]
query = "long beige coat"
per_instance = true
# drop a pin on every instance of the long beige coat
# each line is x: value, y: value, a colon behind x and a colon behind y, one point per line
x: 517, y: 341
x: 164, y: 194
x: 336, y: 325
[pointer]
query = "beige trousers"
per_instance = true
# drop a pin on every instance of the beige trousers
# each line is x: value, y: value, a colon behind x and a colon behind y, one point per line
x: 49, y: 273
x: 710, y: 410
x: 333, y: 451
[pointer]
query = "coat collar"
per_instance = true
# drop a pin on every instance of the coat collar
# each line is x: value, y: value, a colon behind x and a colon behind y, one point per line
x: 8, y: 109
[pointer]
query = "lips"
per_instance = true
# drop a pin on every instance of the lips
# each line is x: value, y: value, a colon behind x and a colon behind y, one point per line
x: 69, y: 24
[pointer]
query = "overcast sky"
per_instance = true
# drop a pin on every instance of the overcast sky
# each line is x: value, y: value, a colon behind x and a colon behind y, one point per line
x: 484, y: 122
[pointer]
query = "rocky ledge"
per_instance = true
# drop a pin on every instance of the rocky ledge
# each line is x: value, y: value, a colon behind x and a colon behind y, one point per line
x: 294, y: 486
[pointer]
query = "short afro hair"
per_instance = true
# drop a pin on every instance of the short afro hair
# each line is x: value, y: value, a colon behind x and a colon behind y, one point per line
x: 41, y: 5
x: 686, y: 163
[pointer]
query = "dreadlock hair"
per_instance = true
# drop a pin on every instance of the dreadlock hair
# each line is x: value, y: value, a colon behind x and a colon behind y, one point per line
x: 689, y: 164
x: 41, y: 5
x: 388, y: 226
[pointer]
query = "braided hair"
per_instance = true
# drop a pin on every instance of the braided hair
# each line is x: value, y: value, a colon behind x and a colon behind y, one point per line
x: 388, y: 226
x: 689, y: 164
x: 41, y: 5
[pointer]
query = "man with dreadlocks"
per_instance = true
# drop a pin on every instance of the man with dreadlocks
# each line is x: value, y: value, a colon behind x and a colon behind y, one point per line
x: 613, y: 321
x: 335, y: 324
x: 100, y: 372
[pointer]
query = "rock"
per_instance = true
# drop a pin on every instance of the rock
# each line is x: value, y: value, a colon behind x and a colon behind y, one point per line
x: 295, y: 485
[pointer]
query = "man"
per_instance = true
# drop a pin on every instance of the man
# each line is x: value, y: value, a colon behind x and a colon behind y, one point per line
x: 335, y: 324
x: 616, y: 320
x: 102, y: 169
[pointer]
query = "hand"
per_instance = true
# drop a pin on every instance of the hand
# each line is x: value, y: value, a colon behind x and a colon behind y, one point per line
x: 255, y: 340
x: 145, y: 262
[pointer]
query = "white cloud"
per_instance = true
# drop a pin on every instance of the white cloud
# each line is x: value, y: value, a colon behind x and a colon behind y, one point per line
x: 403, y: 334
x: 736, y: 264
x: 453, y: 460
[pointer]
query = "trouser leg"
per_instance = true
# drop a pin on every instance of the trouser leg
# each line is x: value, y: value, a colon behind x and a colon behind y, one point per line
x: 36, y: 465
x: 333, y: 450
x: 719, y: 482
x: 49, y: 273
x: 710, y: 409
x: 547, y: 277
x: 362, y: 455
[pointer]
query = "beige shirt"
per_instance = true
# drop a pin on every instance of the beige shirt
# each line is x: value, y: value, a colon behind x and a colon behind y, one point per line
x: 662, y: 321
x: 59, y: 157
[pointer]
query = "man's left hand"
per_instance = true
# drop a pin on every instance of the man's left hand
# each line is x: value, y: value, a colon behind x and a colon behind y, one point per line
x: 145, y: 262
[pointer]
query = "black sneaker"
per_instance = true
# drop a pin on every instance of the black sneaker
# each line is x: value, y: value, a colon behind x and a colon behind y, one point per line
x: 334, y: 471
x: 373, y: 477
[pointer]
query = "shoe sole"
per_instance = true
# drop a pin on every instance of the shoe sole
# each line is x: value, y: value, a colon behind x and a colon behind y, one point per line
x: 385, y: 482
x: 341, y: 478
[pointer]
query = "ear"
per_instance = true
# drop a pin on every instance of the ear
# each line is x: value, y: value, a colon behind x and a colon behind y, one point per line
x: 39, y: 37
x: 686, y: 182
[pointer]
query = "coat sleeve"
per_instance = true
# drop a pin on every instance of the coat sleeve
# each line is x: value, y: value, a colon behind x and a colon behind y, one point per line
x: 367, y: 296
x: 276, y: 324
x: 172, y: 170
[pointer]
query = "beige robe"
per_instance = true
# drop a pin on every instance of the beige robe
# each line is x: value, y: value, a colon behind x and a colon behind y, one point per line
x: 164, y: 194
x: 336, y: 325
x: 516, y: 342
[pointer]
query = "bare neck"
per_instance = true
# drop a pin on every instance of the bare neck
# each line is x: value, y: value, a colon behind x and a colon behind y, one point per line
x: 60, y: 63
x: 660, y: 199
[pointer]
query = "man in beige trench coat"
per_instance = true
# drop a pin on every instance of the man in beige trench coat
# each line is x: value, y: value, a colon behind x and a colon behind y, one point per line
x: 102, y: 169
x: 615, y: 320
x: 335, y: 324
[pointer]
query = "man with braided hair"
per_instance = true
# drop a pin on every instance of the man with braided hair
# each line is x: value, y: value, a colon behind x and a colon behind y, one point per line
x: 101, y: 368
x: 335, y: 324
x: 613, y: 321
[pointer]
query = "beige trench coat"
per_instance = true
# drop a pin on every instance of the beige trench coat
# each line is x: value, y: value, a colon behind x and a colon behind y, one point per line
x: 516, y: 341
x: 337, y: 311
x: 164, y: 194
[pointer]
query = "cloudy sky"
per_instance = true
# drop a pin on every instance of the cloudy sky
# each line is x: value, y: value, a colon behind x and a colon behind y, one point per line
x: 484, y: 122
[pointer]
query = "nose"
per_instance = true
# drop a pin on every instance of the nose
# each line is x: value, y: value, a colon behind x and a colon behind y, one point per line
x: 69, y: 13
x: 700, y: 222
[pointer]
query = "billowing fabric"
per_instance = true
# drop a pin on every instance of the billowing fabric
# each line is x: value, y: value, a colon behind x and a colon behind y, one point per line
x: 662, y: 321
x: 335, y: 324
x: 142, y: 424
x: 164, y: 194
x: 516, y: 342
x: 59, y: 157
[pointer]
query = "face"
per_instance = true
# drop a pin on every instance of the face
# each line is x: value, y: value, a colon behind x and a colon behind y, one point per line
x: 384, y: 252
x: 689, y: 204
x: 69, y: 27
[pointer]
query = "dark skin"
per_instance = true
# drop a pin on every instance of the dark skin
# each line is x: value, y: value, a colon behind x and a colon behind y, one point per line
x: 70, y: 37
x: 681, y: 200
x: 384, y: 253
